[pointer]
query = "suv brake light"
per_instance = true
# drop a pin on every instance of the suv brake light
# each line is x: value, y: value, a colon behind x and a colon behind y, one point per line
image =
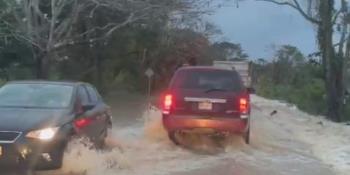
x: 243, y: 105
x: 168, y: 103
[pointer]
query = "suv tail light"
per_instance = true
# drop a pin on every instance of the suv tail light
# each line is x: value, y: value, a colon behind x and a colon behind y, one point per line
x: 168, y: 103
x: 243, y: 106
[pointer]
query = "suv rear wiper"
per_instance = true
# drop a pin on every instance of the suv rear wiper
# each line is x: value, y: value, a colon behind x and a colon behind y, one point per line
x: 214, y: 89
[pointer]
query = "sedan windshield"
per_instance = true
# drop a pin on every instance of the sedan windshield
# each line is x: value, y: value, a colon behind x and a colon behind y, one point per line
x: 35, y: 95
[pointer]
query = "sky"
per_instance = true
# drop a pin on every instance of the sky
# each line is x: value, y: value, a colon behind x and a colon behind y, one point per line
x: 261, y: 27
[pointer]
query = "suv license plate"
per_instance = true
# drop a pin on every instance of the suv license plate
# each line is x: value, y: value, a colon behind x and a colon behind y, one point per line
x: 205, y: 106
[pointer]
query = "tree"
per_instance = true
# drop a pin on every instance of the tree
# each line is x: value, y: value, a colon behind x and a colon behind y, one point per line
x: 100, y: 41
x: 288, y: 60
x: 182, y: 46
x: 290, y: 77
x: 228, y: 51
x: 15, y: 56
x: 325, y: 16
x: 52, y: 25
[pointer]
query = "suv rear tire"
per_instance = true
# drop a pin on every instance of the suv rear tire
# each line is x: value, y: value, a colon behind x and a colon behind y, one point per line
x: 246, y: 136
x: 172, y: 137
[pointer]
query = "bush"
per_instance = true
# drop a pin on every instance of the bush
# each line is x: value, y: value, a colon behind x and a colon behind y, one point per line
x: 309, y: 97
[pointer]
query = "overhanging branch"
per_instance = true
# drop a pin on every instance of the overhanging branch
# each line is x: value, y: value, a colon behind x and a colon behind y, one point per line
x: 295, y: 5
x: 334, y: 20
x: 112, y: 28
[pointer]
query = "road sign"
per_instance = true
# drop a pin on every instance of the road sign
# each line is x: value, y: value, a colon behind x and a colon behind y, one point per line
x: 149, y: 73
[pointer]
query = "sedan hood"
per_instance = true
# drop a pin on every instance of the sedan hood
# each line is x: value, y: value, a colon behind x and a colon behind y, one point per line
x: 20, y: 119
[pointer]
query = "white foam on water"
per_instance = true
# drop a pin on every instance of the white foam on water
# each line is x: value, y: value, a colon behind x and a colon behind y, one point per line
x: 144, y: 148
x: 81, y: 158
x: 326, y: 140
x: 138, y: 149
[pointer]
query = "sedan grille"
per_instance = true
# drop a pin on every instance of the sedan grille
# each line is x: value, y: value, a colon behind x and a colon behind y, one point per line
x: 9, y: 136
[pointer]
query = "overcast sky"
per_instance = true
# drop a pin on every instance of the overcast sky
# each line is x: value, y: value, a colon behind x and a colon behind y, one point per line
x: 258, y: 26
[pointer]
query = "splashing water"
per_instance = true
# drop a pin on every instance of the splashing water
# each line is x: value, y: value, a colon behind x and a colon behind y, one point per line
x: 144, y: 149
x: 128, y: 147
x: 153, y: 127
x: 155, y: 132
x: 81, y: 158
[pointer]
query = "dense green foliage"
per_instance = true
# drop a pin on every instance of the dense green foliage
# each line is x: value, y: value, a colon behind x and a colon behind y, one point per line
x: 109, y: 43
x: 292, y: 78
x: 330, y: 18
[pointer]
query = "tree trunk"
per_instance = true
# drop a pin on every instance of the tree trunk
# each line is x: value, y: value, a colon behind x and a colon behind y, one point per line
x: 332, y: 64
x: 42, y: 65
x: 99, y: 67
x: 99, y: 72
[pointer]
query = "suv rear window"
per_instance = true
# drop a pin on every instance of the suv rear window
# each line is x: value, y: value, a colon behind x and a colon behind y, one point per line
x: 204, y: 79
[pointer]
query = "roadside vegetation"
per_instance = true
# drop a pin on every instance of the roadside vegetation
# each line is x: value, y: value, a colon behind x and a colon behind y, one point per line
x: 293, y: 78
x: 112, y: 43
x: 108, y: 43
x: 330, y: 18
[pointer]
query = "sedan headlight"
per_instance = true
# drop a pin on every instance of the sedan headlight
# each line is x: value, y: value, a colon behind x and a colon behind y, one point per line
x: 43, y: 134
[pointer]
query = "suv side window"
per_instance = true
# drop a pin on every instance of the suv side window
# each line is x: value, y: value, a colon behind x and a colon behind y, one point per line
x: 83, y: 95
x: 94, y: 97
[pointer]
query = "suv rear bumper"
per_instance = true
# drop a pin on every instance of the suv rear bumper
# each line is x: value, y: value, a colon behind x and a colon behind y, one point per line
x: 193, y: 123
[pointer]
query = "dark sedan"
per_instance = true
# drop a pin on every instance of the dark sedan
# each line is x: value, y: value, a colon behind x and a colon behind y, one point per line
x: 38, y: 119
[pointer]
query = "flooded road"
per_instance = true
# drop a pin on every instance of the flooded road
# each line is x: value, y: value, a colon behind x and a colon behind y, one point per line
x: 139, y: 145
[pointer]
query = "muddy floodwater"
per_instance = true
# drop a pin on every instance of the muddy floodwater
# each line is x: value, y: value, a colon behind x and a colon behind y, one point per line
x: 139, y: 146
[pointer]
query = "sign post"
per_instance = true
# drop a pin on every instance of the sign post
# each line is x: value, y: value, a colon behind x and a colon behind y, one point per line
x: 149, y: 73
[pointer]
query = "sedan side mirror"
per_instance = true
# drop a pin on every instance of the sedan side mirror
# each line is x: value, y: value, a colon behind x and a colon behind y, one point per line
x: 251, y: 90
